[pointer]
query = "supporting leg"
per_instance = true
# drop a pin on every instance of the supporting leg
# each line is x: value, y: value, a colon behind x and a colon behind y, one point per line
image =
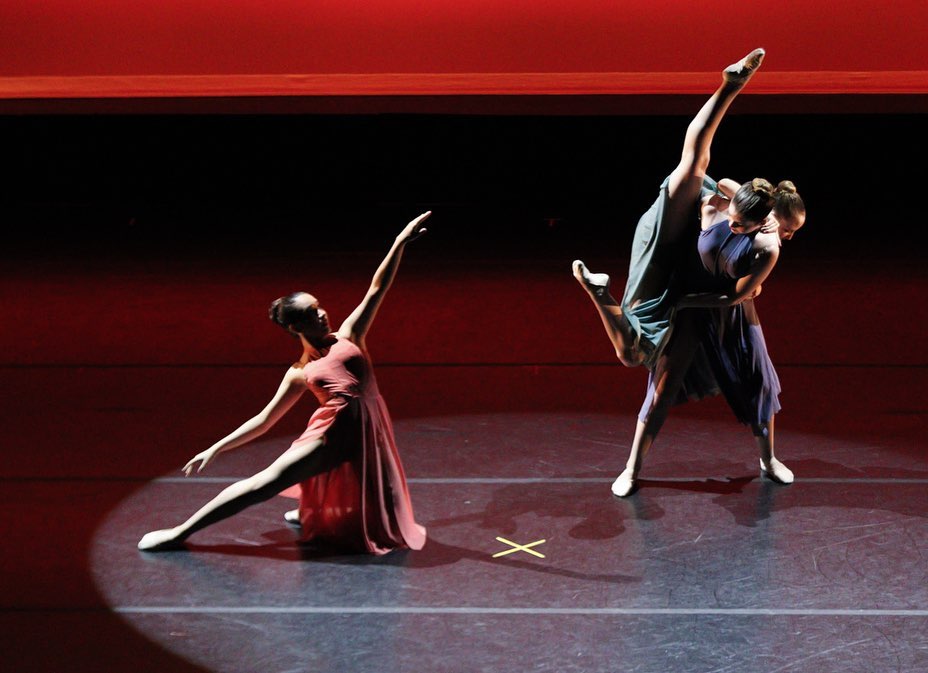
x: 770, y: 467
x: 664, y: 386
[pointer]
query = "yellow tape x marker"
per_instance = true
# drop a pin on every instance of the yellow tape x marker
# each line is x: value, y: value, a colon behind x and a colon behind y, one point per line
x: 519, y: 547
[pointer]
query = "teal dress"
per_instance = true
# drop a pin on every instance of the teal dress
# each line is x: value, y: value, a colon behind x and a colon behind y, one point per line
x: 656, y: 271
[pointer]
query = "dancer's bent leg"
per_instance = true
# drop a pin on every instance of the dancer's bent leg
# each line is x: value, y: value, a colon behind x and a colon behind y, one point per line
x: 291, y: 468
x: 620, y: 332
x: 769, y: 465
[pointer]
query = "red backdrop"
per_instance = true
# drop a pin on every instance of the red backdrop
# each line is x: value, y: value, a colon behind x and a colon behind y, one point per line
x: 152, y: 48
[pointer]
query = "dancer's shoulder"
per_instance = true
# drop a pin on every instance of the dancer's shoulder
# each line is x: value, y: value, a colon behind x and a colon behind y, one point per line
x: 766, y: 245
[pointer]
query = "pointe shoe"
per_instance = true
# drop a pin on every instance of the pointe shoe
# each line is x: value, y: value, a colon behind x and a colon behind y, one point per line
x: 776, y: 472
x: 292, y: 517
x: 740, y: 72
x: 595, y: 283
x: 160, y: 540
x: 624, y: 484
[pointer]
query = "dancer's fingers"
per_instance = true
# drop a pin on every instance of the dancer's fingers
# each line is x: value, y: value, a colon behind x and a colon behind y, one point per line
x: 422, y: 218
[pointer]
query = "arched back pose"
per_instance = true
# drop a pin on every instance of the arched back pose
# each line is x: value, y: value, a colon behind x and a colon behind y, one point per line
x: 352, y: 486
x: 717, y: 344
x: 640, y: 325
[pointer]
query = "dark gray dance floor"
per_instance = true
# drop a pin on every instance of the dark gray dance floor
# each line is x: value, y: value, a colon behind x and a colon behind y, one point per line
x: 706, y: 568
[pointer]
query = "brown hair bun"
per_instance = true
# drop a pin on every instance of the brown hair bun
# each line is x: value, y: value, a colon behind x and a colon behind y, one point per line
x: 786, y: 187
x: 762, y: 188
x: 788, y: 202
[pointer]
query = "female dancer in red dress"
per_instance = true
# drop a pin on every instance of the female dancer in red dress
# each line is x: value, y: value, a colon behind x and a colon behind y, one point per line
x: 351, y: 484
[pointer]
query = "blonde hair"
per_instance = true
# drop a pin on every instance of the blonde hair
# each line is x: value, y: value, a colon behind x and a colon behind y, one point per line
x: 787, y: 202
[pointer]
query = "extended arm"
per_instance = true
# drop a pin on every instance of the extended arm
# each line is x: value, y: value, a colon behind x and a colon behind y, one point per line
x: 356, y: 325
x: 291, y: 388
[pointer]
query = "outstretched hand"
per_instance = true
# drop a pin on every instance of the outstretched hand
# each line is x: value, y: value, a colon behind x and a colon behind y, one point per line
x: 204, y: 457
x: 414, y: 229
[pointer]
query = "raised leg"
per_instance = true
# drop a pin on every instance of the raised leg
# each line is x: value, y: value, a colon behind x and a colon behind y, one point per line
x: 770, y: 467
x: 686, y: 178
x: 291, y: 468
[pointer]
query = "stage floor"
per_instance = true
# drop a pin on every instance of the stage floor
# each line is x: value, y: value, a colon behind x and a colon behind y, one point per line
x: 705, y: 568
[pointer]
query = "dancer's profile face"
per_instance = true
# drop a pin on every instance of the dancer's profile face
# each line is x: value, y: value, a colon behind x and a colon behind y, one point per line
x: 740, y: 224
x: 790, y: 225
x: 317, y: 320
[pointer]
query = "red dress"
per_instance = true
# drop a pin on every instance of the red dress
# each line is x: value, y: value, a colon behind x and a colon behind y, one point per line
x: 359, y: 498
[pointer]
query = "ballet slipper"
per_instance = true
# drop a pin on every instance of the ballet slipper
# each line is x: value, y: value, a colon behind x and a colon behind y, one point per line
x: 292, y: 517
x: 741, y: 72
x: 776, y: 471
x: 161, y: 540
x: 624, y: 484
x: 596, y: 284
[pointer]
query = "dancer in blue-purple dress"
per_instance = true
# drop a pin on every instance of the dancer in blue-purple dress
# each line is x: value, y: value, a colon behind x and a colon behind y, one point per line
x: 718, y: 345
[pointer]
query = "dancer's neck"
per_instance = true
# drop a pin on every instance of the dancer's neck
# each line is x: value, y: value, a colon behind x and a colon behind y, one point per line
x: 316, y: 347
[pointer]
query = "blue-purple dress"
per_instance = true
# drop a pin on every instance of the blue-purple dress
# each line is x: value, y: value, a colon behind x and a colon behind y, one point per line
x: 731, y: 356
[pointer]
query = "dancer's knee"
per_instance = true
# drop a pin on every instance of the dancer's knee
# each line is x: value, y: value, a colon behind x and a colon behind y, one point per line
x: 264, y: 485
x: 630, y: 357
x: 654, y: 415
x: 761, y: 430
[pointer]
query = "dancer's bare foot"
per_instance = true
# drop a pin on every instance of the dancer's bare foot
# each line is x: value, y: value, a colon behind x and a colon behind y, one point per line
x: 624, y: 484
x: 740, y: 72
x: 776, y: 471
x: 292, y: 517
x: 161, y: 540
x: 597, y: 284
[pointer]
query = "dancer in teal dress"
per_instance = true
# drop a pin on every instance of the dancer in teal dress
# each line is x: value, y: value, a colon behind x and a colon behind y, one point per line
x: 640, y: 326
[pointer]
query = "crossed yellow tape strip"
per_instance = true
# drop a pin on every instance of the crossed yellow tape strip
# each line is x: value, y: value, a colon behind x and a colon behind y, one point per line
x: 519, y: 547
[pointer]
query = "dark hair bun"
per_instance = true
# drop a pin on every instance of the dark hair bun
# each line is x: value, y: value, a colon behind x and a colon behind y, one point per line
x: 275, y: 312
x: 786, y: 187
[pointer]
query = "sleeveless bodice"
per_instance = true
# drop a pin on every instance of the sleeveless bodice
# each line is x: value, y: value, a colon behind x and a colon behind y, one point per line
x: 342, y: 372
x: 356, y: 495
x: 725, y: 255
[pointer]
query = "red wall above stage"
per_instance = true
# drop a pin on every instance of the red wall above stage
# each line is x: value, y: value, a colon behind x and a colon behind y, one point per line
x: 81, y: 48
